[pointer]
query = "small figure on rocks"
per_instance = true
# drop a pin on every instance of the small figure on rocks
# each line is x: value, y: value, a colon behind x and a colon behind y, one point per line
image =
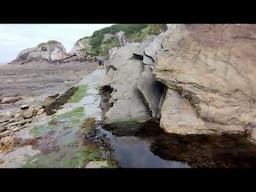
x: 100, y: 62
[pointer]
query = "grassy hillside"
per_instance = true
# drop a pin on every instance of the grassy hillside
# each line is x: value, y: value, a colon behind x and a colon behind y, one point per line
x: 134, y: 32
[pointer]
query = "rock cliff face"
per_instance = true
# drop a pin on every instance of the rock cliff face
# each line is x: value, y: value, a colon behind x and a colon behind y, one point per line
x: 49, y: 51
x: 122, y: 77
x: 135, y: 95
x: 212, y: 68
x: 195, y: 79
x: 81, y: 48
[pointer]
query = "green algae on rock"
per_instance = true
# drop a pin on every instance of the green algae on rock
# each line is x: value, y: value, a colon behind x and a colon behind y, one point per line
x: 88, y: 125
x: 79, y: 94
x: 69, y: 119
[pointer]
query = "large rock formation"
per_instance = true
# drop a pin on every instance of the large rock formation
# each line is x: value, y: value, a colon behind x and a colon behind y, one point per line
x: 81, y: 48
x: 209, y: 70
x: 49, y: 51
x: 130, y: 93
x: 206, y: 74
x: 122, y: 77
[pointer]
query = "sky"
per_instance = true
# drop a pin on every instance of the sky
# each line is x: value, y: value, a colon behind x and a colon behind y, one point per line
x: 16, y: 37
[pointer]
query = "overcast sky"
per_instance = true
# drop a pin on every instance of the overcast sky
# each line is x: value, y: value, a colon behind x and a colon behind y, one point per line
x: 16, y: 37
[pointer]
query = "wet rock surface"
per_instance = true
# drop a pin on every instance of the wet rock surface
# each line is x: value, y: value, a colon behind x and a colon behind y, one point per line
x: 57, y: 102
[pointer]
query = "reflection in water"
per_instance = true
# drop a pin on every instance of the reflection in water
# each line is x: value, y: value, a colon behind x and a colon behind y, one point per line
x: 153, y: 148
x: 132, y: 152
x: 211, y: 151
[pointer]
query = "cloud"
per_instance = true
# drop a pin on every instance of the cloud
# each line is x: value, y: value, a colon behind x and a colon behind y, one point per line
x: 16, y: 37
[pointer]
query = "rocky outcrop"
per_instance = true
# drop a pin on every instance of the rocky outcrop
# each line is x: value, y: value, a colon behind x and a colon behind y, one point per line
x: 121, y: 38
x: 125, y: 100
x: 206, y: 73
x: 50, y: 51
x: 53, y: 103
x: 209, y: 71
x: 81, y: 48
x: 130, y: 94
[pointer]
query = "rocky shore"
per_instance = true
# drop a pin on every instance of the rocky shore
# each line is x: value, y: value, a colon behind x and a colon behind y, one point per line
x: 181, y: 98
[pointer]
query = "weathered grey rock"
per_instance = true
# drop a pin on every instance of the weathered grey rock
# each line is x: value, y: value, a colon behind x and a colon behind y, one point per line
x: 17, y: 115
x: 4, y: 124
x: 97, y: 164
x: 6, y: 100
x: 139, y: 53
x: 81, y: 48
x: 49, y: 51
x: 157, y: 44
x: 4, y: 120
x: 40, y: 111
x: 213, y: 68
x: 125, y: 100
x: 5, y: 133
x: 2, y: 128
x: 151, y: 91
x: 112, y: 52
x: 14, y: 124
x: 107, y: 36
x: 28, y: 114
x: 121, y: 38
x: 148, y: 60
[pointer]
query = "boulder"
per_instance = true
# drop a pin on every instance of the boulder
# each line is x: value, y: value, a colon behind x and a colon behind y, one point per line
x: 124, y: 101
x: 212, y: 69
x: 28, y: 114
x: 49, y: 51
